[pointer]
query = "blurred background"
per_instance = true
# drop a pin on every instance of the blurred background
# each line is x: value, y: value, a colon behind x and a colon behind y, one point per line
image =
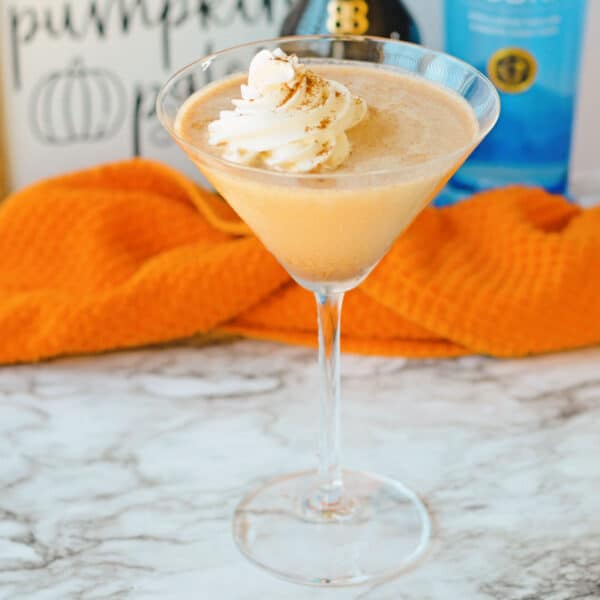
x: 79, y: 78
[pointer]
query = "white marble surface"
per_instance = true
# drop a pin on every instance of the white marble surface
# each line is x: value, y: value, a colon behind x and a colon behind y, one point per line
x: 119, y: 474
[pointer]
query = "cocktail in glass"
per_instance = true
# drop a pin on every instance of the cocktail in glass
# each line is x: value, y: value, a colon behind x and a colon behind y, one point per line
x: 329, y: 229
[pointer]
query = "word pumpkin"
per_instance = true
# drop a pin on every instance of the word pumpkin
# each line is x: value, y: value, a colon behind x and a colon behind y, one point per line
x: 348, y: 16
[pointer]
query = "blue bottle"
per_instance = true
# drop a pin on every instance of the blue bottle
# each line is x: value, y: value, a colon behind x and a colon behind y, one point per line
x: 531, y: 50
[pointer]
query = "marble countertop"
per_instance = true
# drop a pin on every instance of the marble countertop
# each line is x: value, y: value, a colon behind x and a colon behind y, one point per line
x: 119, y: 473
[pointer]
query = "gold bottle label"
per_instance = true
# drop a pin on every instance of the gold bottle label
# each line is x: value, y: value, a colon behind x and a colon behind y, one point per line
x: 512, y: 70
x: 348, y: 16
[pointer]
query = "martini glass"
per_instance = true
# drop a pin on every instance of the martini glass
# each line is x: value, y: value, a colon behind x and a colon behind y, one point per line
x: 331, y: 526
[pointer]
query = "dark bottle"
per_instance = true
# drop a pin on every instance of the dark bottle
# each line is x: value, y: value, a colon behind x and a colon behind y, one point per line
x: 384, y: 18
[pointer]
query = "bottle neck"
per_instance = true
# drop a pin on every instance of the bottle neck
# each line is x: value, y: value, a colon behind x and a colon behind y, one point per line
x: 385, y: 18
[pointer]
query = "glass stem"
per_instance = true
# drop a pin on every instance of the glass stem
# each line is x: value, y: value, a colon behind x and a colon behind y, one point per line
x: 329, y: 307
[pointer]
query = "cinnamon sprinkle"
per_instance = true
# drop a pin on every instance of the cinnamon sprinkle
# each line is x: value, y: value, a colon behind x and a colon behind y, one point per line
x: 325, y: 148
x: 291, y: 90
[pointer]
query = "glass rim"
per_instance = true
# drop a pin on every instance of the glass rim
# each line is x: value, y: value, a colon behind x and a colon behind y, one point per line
x: 465, y: 149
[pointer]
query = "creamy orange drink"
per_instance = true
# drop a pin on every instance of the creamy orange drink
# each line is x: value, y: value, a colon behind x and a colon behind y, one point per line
x: 328, y: 159
x: 386, y: 141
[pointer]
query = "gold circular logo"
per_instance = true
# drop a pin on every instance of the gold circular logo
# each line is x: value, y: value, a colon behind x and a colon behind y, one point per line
x: 348, y: 16
x: 513, y: 70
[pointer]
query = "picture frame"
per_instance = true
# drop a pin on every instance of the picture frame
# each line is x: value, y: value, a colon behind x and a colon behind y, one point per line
x: 79, y: 78
x: 4, y: 156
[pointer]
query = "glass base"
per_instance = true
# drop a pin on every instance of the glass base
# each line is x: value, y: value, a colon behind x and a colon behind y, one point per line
x: 379, y: 529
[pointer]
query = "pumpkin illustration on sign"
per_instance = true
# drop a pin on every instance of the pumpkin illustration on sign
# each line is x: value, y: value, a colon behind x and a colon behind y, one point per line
x: 77, y: 105
x: 348, y: 16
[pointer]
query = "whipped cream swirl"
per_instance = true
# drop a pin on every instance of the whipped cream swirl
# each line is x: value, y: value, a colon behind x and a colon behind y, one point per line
x: 289, y: 118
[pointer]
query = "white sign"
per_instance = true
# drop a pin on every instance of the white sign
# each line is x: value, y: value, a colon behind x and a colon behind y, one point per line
x: 80, y: 77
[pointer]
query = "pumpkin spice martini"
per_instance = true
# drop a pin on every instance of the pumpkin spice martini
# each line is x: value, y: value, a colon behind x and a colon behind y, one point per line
x: 350, y: 120
x: 328, y: 160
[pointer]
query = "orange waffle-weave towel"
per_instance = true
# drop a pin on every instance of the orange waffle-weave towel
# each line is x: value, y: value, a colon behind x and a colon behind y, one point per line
x: 134, y: 253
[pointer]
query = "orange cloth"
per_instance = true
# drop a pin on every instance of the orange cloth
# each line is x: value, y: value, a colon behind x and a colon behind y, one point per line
x: 120, y: 256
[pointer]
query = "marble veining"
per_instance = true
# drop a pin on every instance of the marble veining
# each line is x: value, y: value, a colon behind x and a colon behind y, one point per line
x: 119, y: 473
